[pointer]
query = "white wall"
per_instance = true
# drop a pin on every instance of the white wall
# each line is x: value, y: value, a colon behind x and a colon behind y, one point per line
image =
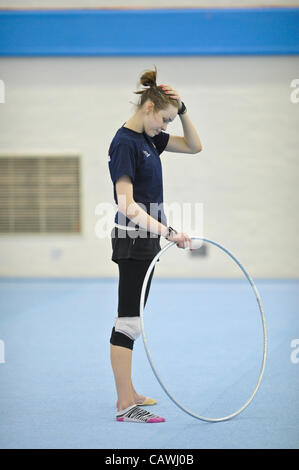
x: 246, y: 176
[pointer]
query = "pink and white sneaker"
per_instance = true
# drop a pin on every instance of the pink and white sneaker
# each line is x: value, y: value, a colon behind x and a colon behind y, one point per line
x: 135, y: 414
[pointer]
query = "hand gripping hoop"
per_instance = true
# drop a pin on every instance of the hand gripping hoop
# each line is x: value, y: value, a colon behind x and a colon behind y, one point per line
x: 145, y: 282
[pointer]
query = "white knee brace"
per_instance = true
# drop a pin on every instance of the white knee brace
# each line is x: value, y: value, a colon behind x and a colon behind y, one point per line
x: 129, y: 326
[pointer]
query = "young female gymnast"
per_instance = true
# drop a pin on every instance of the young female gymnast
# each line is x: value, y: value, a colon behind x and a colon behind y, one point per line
x: 136, y: 173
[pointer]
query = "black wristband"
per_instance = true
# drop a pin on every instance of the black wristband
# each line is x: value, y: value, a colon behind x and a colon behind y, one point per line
x: 183, y: 109
x: 170, y: 229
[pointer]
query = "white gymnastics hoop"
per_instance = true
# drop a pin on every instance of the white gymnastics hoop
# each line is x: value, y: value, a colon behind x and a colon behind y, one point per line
x: 145, y: 282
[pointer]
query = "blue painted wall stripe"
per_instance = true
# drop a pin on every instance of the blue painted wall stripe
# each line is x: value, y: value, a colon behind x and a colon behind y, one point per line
x: 162, y: 32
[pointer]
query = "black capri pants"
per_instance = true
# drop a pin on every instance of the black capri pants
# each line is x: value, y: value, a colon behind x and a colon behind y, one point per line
x: 131, y: 276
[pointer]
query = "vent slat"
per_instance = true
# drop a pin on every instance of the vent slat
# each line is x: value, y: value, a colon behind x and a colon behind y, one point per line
x: 40, y: 195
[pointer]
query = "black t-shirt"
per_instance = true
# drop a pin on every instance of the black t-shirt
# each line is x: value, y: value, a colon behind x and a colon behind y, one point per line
x: 138, y: 155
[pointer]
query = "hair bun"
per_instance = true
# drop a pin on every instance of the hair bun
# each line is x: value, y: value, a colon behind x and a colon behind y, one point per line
x: 154, y: 93
x: 149, y: 77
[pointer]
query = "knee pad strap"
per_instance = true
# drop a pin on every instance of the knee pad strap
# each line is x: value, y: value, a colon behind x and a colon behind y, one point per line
x: 119, y: 339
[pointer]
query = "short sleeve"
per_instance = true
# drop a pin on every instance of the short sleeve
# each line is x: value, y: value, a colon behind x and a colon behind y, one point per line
x: 122, y: 161
x: 161, y: 141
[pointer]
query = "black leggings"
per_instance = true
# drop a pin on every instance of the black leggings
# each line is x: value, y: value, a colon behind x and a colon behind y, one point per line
x: 131, y: 276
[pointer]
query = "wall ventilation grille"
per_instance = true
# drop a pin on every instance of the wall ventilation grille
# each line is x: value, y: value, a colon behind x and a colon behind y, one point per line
x: 39, y: 195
